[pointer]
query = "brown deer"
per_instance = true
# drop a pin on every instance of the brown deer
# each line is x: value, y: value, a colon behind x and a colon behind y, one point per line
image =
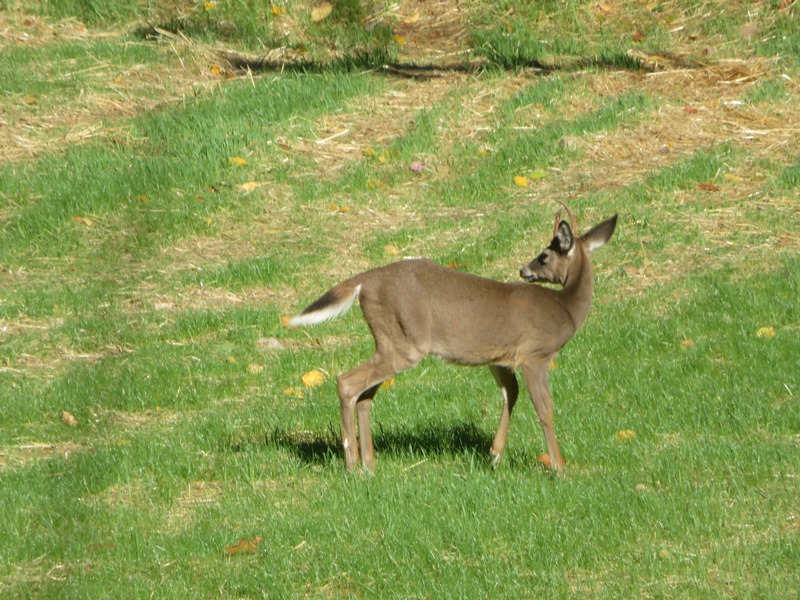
x: 417, y: 307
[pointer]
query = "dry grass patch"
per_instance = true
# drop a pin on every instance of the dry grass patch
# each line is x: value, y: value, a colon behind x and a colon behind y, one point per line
x: 32, y: 125
x: 23, y: 455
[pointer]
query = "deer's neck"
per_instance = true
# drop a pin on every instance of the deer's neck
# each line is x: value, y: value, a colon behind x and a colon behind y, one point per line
x: 576, y: 295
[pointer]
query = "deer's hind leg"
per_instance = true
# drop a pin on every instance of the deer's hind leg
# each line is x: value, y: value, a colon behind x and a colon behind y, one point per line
x: 357, y: 388
x: 507, y: 381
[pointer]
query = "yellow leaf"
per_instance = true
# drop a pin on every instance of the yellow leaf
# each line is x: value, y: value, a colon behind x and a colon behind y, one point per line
x: 687, y: 343
x: 209, y: 220
x: 68, y: 419
x: 244, y: 546
x: 521, y: 181
x: 388, y: 383
x: 369, y: 152
x: 216, y: 70
x: 321, y: 11
x: 553, y: 366
x: 766, y: 332
x: 732, y: 177
x: 238, y: 161
x: 292, y: 392
x: 313, y: 379
x: 625, y: 435
x: 255, y: 369
x: 277, y: 10
x: 484, y: 152
x: 209, y: 6
x: 400, y: 39
x: 83, y: 220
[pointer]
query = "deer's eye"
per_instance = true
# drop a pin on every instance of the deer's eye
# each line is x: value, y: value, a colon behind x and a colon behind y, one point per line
x: 543, y: 258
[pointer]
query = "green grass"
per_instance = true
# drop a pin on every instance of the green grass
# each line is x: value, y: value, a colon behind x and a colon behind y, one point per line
x: 154, y: 318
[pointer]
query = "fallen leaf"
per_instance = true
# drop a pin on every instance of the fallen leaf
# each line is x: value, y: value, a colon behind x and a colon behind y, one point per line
x: 215, y: 70
x: 521, y: 180
x: 485, y: 152
x: 765, y: 332
x: 238, y: 161
x: 68, y: 419
x: 417, y: 167
x: 285, y: 321
x: 255, y: 369
x: 625, y: 435
x: 411, y: 18
x: 245, y: 546
x: 277, y: 10
x: 83, y: 220
x: 209, y: 6
x: 544, y: 459
x: 369, y: 152
x: 391, y: 249
x: 313, y: 379
x: 553, y: 366
x: 321, y: 12
x: 707, y: 187
x: 144, y: 198
x: 292, y: 392
x: 689, y: 109
x: 31, y: 101
x: 400, y: 39
x: 687, y: 343
x: 388, y: 383
x: 374, y: 184
x: 732, y: 177
x: 637, y: 36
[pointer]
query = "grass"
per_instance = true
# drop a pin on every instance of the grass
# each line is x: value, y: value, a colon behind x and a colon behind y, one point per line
x: 158, y: 216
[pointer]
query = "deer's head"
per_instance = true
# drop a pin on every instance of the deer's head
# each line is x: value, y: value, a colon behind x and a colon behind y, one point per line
x: 566, y: 252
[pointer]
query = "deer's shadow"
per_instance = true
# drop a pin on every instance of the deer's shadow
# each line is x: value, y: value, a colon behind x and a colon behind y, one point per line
x: 316, y: 447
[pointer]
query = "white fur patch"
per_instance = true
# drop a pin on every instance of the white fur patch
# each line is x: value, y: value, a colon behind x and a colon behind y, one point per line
x: 595, y: 244
x: 326, y: 314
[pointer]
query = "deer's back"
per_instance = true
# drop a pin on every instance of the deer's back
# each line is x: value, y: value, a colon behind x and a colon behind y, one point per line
x: 462, y: 317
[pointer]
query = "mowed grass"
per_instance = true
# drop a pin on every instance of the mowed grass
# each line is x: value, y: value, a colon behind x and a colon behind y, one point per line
x: 152, y: 411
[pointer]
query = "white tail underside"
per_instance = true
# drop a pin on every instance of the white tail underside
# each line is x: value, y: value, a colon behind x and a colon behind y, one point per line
x: 327, y: 313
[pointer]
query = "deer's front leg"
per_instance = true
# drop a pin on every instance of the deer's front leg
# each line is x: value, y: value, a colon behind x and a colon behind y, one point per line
x: 538, y: 386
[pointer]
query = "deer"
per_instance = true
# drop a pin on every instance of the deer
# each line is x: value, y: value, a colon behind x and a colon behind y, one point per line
x: 416, y: 307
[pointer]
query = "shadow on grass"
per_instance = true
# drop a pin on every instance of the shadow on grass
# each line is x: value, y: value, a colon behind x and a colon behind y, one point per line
x: 438, y: 439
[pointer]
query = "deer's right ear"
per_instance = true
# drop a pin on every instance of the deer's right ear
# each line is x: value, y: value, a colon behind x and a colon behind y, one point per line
x: 564, y: 238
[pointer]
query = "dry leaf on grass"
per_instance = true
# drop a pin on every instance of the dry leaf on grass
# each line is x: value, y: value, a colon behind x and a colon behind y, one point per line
x: 625, y: 435
x: 245, y: 546
x: 313, y: 379
x: 321, y: 12
x: 765, y: 332
x: 68, y: 419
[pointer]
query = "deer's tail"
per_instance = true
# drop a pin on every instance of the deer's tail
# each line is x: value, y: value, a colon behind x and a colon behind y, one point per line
x: 333, y: 303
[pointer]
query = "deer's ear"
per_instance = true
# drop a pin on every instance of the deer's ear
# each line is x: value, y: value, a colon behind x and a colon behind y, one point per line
x: 599, y: 234
x: 564, y: 238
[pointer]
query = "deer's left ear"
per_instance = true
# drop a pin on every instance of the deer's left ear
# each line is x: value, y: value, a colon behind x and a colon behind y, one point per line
x: 599, y: 234
x: 564, y: 238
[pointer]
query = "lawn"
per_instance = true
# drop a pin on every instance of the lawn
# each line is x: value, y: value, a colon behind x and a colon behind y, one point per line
x: 177, y: 176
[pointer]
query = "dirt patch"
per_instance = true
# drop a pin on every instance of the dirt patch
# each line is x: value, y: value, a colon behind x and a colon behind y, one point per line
x: 197, y: 494
x: 23, y: 455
